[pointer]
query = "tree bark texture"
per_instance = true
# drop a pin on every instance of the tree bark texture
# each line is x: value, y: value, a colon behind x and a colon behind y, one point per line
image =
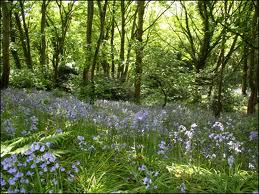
x: 90, y: 13
x: 139, y: 51
x: 5, y: 44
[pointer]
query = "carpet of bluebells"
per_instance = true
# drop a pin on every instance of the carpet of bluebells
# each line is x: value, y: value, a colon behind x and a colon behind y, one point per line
x: 52, y: 142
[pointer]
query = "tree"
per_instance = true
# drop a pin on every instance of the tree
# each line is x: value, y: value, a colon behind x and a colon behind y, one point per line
x: 90, y: 13
x: 24, y: 35
x: 5, y: 5
x: 43, y: 34
x: 58, y: 40
x: 253, y: 73
x: 139, y: 50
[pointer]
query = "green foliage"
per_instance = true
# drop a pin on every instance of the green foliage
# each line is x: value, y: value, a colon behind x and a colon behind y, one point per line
x: 26, y: 78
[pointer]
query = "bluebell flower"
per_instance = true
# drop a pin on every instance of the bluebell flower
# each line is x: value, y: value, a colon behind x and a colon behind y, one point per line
x: 62, y: 169
x: 42, y: 149
x: 22, y: 190
x: 12, y: 181
x: 19, y: 174
x: 147, y: 181
x: 29, y: 173
x: 48, y: 144
x: 2, y: 182
x: 142, y: 168
x: 253, y: 135
x: 12, y: 170
x: 80, y: 138
x: 183, y: 188
x: 231, y: 161
x: 59, y: 131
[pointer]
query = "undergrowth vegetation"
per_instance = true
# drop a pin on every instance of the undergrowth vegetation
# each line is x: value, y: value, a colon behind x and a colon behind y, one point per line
x: 55, y: 143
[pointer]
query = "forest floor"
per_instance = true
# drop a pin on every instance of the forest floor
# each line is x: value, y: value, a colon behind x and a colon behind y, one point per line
x: 51, y: 142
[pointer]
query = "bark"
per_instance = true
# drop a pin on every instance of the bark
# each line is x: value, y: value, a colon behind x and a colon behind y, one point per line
x: 139, y: 51
x: 252, y: 101
x: 13, y: 40
x: 112, y: 38
x: 132, y: 36
x: 27, y: 38
x: 90, y: 12
x: 245, y: 70
x: 6, y: 43
x: 102, y: 21
x: 122, y: 44
x: 102, y: 13
x: 43, y: 38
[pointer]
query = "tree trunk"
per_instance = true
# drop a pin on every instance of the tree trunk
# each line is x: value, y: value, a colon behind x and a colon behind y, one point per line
x: 13, y: 40
x: 245, y: 69
x: 139, y: 50
x: 43, y: 38
x: 102, y: 20
x: 27, y: 38
x: 90, y: 12
x: 252, y: 101
x: 112, y: 37
x: 102, y: 13
x: 6, y: 43
x: 121, y: 63
x: 132, y: 36
x: 218, y: 98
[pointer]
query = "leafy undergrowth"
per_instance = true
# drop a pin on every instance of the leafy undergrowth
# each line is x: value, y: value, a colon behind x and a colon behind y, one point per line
x: 53, y: 143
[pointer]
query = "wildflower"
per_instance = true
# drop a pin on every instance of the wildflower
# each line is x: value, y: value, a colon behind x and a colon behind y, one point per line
x: 155, y: 187
x: 161, y: 152
x: 183, y: 188
x: 80, y: 138
x: 29, y: 173
x: 218, y: 125
x: 2, y: 182
x: 253, y: 135
x: 251, y: 166
x: 22, y: 190
x: 48, y: 144
x: 147, y: 181
x: 141, y: 115
x: 189, y: 134
x: 194, y: 125
x: 156, y: 173
x: 42, y: 149
x: 162, y: 145
x: 59, y: 131
x: 231, y: 161
x: 12, y: 170
x: 142, y: 168
x: 62, y: 169
x: 12, y: 181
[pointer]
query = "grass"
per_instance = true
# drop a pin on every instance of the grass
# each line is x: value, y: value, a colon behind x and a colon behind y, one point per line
x: 111, y: 149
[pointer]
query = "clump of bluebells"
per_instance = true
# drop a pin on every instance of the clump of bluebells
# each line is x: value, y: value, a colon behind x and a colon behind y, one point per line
x: 37, y: 169
x: 149, y: 177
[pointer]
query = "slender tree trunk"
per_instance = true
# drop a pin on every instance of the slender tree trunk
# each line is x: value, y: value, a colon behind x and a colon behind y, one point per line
x: 43, y: 38
x: 6, y: 43
x: 139, y: 50
x: 112, y: 37
x: 252, y: 101
x: 218, y: 103
x: 122, y: 44
x: 102, y: 21
x: 13, y: 40
x: 26, y: 33
x: 90, y: 12
x: 245, y: 69
x: 132, y: 36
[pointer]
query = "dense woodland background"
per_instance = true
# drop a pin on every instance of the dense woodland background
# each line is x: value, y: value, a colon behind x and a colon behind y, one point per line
x: 150, y: 52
